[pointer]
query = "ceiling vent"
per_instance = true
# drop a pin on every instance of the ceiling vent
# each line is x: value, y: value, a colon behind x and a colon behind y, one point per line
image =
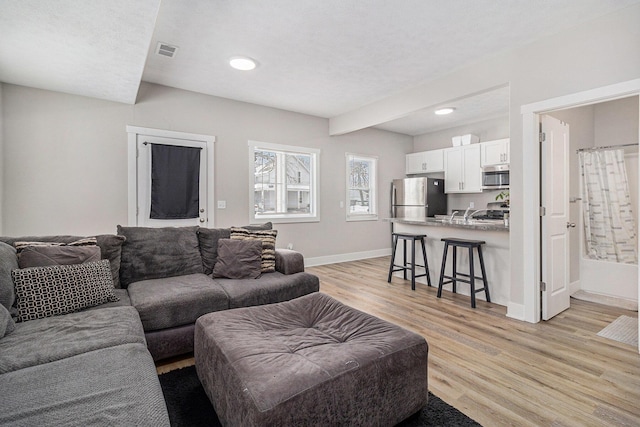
x: 166, y: 50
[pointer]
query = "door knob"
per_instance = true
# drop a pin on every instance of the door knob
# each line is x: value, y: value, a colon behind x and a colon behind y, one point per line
x: 571, y: 225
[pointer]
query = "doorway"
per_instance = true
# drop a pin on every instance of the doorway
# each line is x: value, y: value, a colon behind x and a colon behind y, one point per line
x: 531, y: 310
x: 170, y: 178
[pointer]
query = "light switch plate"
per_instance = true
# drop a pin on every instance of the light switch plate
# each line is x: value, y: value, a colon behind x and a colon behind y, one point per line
x: 222, y: 204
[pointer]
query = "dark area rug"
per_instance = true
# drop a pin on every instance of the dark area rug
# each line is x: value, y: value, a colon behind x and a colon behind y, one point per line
x: 189, y: 406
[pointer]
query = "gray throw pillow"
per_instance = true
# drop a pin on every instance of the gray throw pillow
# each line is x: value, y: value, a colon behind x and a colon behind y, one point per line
x: 268, y: 239
x: 155, y: 253
x: 238, y: 259
x: 61, y: 289
x: 39, y: 256
x: 208, y: 239
x: 110, y: 248
x: 6, y: 322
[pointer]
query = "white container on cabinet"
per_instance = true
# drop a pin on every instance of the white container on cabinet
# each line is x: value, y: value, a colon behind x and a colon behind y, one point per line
x: 469, y: 139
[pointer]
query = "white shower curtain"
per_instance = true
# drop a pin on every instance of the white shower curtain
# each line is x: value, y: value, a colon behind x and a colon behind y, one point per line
x: 610, y: 230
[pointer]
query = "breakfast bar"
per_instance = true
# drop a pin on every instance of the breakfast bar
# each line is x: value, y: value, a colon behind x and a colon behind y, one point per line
x: 496, y: 250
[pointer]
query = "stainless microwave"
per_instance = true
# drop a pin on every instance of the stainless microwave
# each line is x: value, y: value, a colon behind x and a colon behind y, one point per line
x: 495, y: 177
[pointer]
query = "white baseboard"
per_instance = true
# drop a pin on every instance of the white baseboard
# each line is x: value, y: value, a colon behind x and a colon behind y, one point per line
x: 574, y: 287
x: 515, y: 311
x: 353, y: 256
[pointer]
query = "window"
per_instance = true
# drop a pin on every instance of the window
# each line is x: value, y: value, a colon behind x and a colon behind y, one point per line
x: 361, y: 187
x: 284, y: 183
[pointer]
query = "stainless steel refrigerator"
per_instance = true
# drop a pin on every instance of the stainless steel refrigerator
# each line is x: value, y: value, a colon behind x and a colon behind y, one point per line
x: 418, y: 198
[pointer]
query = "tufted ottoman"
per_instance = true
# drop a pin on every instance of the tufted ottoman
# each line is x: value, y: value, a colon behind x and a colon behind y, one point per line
x: 309, y: 361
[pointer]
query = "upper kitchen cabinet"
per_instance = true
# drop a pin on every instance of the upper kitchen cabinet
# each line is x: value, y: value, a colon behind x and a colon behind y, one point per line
x: 495, y: 152
x: 425, y: 162
x: 462, y: 172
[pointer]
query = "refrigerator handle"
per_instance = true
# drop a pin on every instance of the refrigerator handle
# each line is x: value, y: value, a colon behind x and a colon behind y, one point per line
x: 393, y: 200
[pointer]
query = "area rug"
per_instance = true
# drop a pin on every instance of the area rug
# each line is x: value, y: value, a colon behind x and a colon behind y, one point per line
x: 189, y: 406
x: 624, y: 329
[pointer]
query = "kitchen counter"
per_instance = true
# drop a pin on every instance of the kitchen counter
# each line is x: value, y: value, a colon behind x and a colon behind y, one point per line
x: 473, y: 224
x: 497, y: 257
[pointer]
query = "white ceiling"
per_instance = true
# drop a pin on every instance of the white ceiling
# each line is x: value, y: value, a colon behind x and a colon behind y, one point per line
x: 323, y: 58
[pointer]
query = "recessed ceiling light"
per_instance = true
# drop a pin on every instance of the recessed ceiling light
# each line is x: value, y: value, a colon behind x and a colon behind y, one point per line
x: 446, y: 110
x: 242, y: 63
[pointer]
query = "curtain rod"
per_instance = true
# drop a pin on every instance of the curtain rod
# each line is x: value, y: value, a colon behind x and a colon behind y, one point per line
x: 606, y: 147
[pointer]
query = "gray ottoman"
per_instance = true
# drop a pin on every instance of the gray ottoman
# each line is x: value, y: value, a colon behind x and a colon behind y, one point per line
x: 309, y: 361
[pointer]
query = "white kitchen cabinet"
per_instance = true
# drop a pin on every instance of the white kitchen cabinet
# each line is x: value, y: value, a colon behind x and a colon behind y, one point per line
x: 462, y: 171
x: 425, y: 162
x: 495, y: 152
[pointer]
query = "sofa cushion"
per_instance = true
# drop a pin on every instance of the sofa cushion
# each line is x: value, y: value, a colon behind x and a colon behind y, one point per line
x: 268, y: 239
x: 153, y: 253
x: 110, y: 248
x: 268, y: 288
x: 60, y: 289
x: 6, y: 322
x: 8, y: 263
x: 45, y: 340
x: 238, y: 259
x: 38, y: 256
x: 174, y: 301
x: 115, y: 386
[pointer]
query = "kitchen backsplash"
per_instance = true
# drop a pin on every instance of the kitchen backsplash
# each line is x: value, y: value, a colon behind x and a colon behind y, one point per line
x: 480, y: 200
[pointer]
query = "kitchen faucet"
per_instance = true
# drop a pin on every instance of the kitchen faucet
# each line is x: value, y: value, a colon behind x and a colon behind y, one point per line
x: 475, y: 212
x: 466, y: 214
x: 452, y: 215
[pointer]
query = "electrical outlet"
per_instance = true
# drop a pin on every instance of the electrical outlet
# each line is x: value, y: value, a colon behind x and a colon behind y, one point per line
x: 290, y: 246
x: 222, y: 204
x: 472, y: 205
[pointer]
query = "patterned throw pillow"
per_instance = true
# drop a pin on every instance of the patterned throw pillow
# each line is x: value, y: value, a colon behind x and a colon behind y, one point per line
x: 268, y: 238
x: 60, y: 289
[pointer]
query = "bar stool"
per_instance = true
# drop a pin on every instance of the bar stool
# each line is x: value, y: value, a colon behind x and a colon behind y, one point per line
x: 471, y: 277
x: 412, y: 266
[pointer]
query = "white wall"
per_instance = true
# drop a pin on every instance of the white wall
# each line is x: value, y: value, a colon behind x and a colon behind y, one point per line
x: 592, y: 55
x: 66, y: 162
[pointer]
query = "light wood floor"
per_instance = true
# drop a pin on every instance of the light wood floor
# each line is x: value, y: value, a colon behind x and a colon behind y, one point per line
x: 500, y: 371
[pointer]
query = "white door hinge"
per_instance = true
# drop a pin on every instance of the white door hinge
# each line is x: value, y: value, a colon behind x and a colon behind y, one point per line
x: 543, y: 286
x: 543, y: 211
x: 542, y: 137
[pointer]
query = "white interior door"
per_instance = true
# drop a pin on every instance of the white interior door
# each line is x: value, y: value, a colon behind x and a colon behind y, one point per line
x: 555, y: 224
x: 139, y: 175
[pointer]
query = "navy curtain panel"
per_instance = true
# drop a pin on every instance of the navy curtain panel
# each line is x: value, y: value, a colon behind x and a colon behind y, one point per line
x: 175, y: 182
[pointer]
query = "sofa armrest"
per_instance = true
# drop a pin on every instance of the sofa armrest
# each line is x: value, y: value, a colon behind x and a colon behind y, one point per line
x: 289, y: 262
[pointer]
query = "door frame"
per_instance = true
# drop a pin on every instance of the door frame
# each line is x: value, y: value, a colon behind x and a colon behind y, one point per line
x: 132, y: 186
x: 531, y: 180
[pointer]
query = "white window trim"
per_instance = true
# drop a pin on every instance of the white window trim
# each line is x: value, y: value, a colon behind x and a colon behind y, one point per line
x: 313, y: 216
x: 373, y: 189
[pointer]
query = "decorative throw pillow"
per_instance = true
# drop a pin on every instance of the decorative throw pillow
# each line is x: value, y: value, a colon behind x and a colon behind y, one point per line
x: 6, y: 322
x: 238, y: 259
x: 60, y: 289
x: 208, y: 240
x: 39, y: 256
x: 268, y: 239
x: 110, y: 247
x: 22, y: 245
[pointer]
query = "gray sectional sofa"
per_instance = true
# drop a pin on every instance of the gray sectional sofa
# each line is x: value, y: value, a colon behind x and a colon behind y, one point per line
x: 96, y: 366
